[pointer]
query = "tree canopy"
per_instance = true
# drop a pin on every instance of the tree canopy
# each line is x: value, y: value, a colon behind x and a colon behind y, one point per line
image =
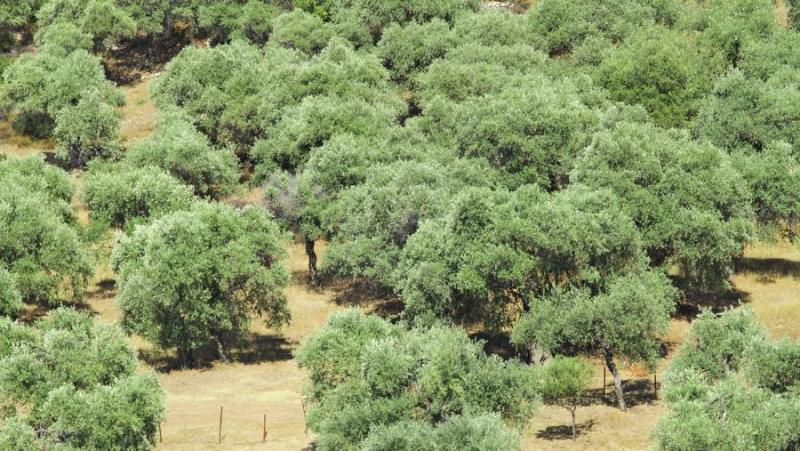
x: 373, y: 381
x: 67, y: 369
x: 198, y: 277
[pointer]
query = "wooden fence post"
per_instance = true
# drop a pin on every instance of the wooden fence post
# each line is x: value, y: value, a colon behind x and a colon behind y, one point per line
x: 655, y: 384
x: 264, y: 431
x: 604, y: 382
x: 303, y: 400
x: 219, y: 435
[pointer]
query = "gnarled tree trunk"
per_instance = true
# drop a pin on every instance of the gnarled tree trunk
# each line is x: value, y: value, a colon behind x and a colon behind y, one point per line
x: 312, y: 260
x: 609, y: 357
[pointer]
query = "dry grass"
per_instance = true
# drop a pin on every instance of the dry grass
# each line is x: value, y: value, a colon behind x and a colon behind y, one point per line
x: 139, y: 114
x: 782, y: 10
x: 265, y: 379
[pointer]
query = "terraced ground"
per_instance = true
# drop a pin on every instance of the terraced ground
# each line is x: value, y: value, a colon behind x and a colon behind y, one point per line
x: 265, y: 380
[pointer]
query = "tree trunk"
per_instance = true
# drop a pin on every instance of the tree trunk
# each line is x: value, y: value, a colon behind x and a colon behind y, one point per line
x: 609, y: 357
x: 312, y: 260
x: 221, y: 348
x: 574, y: 431
x: 538, y: 356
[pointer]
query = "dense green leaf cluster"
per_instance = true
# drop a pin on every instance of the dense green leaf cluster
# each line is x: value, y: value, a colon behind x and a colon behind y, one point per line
x: 62, y: 92
x: 378, y: 386
x: 731, y: 387
x: 42, y: 253
x: 70, y: 382
x: 197, y: 277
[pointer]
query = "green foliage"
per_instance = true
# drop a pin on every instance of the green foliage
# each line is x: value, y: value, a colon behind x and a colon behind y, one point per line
x: 236, y: 96
x: 564, y: 379
x: 371, y: 222
x: 196, y: 277
x: 686, y: 198
x: 731, y: 388
x: 474, y: 70
x: 87, y: 131
x: 626, y: 320
x: 377, y: 14
x: 463, y: 432
x: 660, y: 70
x: 39, y: 243
x: 312, y: 123
x: 124, y: 197
x: 179, y: 149
x: 409, y: 49
x: 368, y: 389
x: 300, y: 30
x: 727, y: 25
x: 10, y: 298
x: 64, y: 92
x: 321, y: 8
x: 226, y: 20
x: 562, y: 382
x: 717, y: 343
x: 563, y: 25
x: 532, y: 133
x: 18, y: 14
x: 67, y: 369
x: 749, y: 114
x: 493, y: 253
x: 493, y: 28
x: 775, y: 365
x: 62, y: 38
x: 774, y: 177
x: 105, y: 20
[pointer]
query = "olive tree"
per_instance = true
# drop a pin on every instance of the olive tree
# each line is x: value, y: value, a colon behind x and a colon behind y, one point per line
x: 749, y: 113
x: 687, y: 198
x: 562, y: 381
x: 371, y: 222
x: 124, y: 196
x: 370, y: 378
x: 10, y: 297
x: 39, y: 242
x: 731, y: 387
x: 660, y: 70
x: 624, y: 321
x: 531, y: 132
x: 196, y: 277
x: 179, y: 149
x: 300, y: 30
x: 493, y: 253
x: 406, y: 50
x: 560, y: 26
x: 454, y: 434
x: 67, y: 369
x: 65, y: 95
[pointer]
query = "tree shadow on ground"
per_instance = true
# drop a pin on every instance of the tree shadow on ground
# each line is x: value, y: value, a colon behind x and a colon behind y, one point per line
x: 693, y: 301
x: 497, y: 343
x: 360, y: 293
x: 637, y: 391
x: 126, y: 63
x: 768, y: 270
x: 564, y: 432
x: 253, y: 348
x: 105, y: 289
x: 34, y: 311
